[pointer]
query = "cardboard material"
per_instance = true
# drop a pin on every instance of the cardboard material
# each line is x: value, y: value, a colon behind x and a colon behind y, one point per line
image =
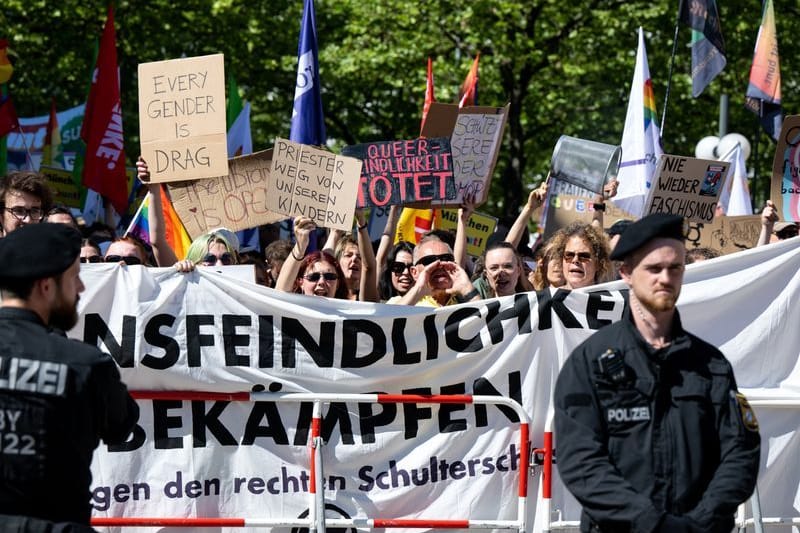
x: 236, y: 201
x: 415, y: 171
x: 479, y: 228
x: 65, y: 191
x: 564, y: 209
x: 476, y: 135
x: 725, y: 234
x: 314, y: 183
x: 182, y: 118
x: 785, y: 189
x: 687, y: 186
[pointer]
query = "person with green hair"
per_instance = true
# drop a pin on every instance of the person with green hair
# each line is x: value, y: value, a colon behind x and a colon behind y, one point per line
x: 214, y: 248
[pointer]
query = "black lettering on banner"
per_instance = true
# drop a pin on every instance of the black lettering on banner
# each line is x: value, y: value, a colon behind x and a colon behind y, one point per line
x: 400, y: 349
x: 194, y: 339
x: 95, y: 329
x: 231, y: 340
x: 153, y: 335
x: 413, y: 413
x: 555, y: 303
x: 303, y: 426
x: 135, y: 441
x: 202, y: 420
x: 446, y: 423
x: 483, y: 387
x: 266, y: 341
x: 321, y: 352
x: 350, y: 343
x: 451, y: 334
x: 274, y: 428
x: 494, y: 317
x: 162, y: 423
x: 431, y: 337
x: 102, y: 497
x: 368, y: 420
x: 596, y: 304
x: 337, y: 415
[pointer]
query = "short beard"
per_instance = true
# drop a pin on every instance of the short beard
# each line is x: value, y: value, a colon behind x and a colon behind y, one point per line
x: 658, y: 304
x: 64, y: 315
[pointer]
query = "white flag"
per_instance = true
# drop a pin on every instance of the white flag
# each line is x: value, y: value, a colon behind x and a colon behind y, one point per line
x: 734, y: 199
x: 641, y: 139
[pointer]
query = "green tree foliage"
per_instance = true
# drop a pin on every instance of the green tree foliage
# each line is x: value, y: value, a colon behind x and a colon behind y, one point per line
x: 565, y: 67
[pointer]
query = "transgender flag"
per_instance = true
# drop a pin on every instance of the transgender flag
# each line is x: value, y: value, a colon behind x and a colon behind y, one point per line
x: 641, y: 139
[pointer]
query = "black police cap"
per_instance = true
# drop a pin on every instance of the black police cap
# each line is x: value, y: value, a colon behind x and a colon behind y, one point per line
x: 37, y: 251
x: 644, y: 230
x: 618, y: 227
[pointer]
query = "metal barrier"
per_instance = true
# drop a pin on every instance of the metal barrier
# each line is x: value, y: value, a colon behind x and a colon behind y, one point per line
x: 316, y: 520
x: 547, y: 454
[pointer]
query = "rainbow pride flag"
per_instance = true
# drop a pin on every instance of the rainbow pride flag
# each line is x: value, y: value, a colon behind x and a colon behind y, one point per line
x: 177, y: 237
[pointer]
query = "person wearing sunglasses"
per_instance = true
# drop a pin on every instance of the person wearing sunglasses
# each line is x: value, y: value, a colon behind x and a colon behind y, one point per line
x: 584, y: 256
x: 215, y: 248
x: 396, y: 277
x: 438, y: 279
x: 90, y: 252
x: 126, y: 250
x: 25, y: 198
x: 315, y: 274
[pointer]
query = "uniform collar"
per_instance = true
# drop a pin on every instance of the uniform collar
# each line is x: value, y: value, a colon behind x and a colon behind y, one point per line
x: 20, y: 313
x: 680, y: 339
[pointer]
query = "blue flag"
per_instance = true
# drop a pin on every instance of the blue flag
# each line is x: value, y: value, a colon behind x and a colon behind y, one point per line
x: 308, y: 122
x: 708, y: 47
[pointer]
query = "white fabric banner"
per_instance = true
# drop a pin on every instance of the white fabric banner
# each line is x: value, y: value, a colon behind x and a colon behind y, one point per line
x: 204, y: 331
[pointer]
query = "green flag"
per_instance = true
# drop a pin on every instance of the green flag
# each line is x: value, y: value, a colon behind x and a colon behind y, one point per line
x: 234, y: 106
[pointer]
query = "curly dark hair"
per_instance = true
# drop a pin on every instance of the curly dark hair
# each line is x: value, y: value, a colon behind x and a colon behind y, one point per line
x: 597, y: 241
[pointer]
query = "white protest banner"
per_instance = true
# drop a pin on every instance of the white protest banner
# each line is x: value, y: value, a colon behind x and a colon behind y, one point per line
x: 237, y: 201
x: 476, y: 135
x: 785, y: 188
x: 202, y: 331
x: 313, y: 183
x: 182, y: 118
x: 687, y: 187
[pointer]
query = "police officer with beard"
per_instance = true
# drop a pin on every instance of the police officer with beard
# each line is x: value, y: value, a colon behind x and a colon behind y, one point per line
x: 58, y: 397
x: 652, y: 434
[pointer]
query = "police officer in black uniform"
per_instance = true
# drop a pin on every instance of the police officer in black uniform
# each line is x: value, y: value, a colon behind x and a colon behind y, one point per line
x: 58, y: 396
x: 651, y: 432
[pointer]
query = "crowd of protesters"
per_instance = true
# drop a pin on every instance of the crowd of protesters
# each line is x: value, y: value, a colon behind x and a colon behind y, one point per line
x: 435, y: 272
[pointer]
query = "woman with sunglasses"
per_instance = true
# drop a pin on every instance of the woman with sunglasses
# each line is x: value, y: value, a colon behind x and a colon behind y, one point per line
x: 126, y: 250
x: 317, y: 274
x: 90, y: 252
x: 396, y: 278
x: 584, y: 256
x: 214, y: 248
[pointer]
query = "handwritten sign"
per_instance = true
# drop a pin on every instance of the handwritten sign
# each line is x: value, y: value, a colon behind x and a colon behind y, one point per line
x: 785, y: 190
x: 725, y: 234
x: 236, y: 201
x: 687, y: 187
x: 314, y: 183
x: 65, y: 191
x: 405, y: 172
x: 182, y: 118
x: 479, y: 228
x: 562, y: 209
x: 476, y: 134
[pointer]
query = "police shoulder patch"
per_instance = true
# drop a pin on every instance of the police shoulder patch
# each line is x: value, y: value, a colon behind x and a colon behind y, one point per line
x: 745, y: 411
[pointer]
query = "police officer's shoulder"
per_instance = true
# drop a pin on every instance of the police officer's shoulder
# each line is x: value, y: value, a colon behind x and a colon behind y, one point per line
x: 705, y: 353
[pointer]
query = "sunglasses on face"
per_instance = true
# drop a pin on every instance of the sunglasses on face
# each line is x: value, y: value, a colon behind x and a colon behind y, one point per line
x: 225, y: 259
x: 583, y: 257
x: 314, y: 277
x: 127, y: 259
x: 429, y: 259
x: 19, y: 212
x: 398, y: 268
x: 92, y: 259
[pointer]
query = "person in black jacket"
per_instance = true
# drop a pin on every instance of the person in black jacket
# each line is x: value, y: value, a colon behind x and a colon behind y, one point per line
x: 651, y: 432
x: 58, y: 397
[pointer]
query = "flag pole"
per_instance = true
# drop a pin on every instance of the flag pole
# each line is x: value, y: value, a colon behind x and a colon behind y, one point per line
x: 671, y: 66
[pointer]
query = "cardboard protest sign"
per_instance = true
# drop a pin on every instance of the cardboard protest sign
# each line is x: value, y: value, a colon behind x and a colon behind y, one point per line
x: 785, y: 190
x: 182, y: 118
x: 236, y: 201
x: 725, y: 234
x: 476, y: 134
x: 564, y: 209
x: 65, y: 191
x: 479, y: 229
x: 687, y: 187
x: 405, y: 172
x: 314, y: 183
